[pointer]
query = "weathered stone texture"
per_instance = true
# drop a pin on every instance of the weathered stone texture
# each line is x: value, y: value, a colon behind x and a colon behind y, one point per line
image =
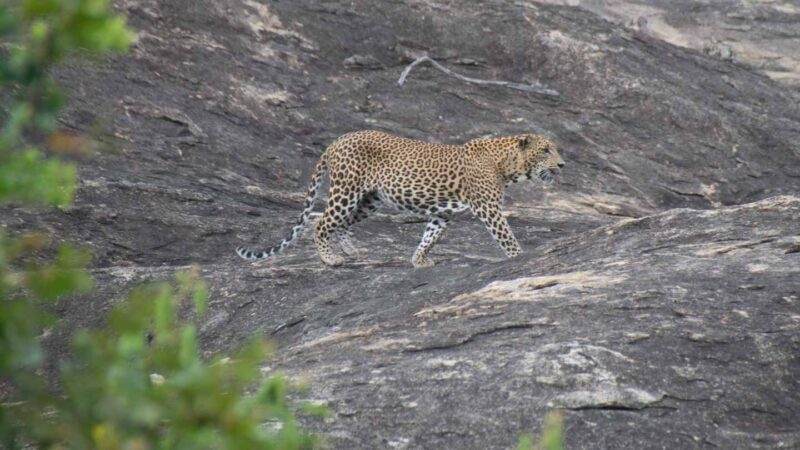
x: 657, y: 303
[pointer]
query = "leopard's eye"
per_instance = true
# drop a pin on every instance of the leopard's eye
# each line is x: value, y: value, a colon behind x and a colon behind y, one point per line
x: 546, y: 150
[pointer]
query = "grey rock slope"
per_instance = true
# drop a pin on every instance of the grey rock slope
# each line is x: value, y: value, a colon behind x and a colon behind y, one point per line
x: 652, y: 327
x: 762, y: 35
x: 677, y: 330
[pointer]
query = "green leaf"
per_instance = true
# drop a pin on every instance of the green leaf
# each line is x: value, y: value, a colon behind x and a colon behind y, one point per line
x: 20, y: 116
x: 130, y: 345
x: 19, y: 326
x: 188, y: 355
x: 525, y: 442
x: 200, y: 297
x: 315, y: 409
x: 100, y: 34
x: 190, y: 283
x: 552, y: 437
x: 41, y: 8
x: 63, y: 276
x: 29, y: 178
x: 39, y: 30
x: 164, y: 313
x: 8, y: 23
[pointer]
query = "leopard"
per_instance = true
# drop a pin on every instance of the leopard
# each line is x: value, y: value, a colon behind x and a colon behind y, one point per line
x: 369, y: 168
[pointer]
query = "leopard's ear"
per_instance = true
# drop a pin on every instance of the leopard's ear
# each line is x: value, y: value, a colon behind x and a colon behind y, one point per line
x: 523, y: 142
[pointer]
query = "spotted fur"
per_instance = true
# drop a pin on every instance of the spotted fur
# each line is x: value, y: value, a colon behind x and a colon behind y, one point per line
x: 371, y: 167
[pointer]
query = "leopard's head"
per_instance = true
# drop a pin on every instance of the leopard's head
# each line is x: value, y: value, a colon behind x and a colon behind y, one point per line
x: 539, y: 157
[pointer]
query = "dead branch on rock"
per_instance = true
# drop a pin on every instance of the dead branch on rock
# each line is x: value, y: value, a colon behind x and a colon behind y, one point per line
x: 537, y: 89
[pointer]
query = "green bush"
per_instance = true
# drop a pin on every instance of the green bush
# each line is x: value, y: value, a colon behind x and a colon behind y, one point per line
x: 38, y: 34
x: 552, y: 437
x: 141, y: 382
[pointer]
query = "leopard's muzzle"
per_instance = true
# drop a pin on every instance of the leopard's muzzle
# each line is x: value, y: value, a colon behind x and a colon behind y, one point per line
x: 547, y: 176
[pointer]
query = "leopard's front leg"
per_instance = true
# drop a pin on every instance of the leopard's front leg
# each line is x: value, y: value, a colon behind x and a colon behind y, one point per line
x: 489, y: 213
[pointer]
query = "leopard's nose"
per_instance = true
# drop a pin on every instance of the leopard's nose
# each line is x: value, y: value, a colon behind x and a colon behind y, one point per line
x: 560, y: 164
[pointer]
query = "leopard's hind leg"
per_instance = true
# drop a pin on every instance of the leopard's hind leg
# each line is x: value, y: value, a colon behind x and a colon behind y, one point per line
x: 366, y: 206
x: 342, y: 203
x: 433, y: 232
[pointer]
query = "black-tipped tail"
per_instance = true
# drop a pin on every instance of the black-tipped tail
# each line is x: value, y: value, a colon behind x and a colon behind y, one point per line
x: 313, y: 189
x: 250, y: 255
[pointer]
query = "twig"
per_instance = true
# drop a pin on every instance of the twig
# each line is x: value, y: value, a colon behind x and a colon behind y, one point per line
x: 538, y: 89
x: 288, y: 324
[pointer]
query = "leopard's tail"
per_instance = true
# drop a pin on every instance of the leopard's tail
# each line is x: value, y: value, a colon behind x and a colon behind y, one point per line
x: 311, y: 195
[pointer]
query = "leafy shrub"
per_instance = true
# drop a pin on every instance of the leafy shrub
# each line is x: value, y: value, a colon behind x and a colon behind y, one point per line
x: 141, y: 382
x: 552, y: 437
x: 38, y: 34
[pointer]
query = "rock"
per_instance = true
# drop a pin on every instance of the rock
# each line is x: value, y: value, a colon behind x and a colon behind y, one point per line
x: 720, y: 50
x: 562, y: 339
x: 761, y: 35
x: 725, y: 52
x: 657, y: 299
